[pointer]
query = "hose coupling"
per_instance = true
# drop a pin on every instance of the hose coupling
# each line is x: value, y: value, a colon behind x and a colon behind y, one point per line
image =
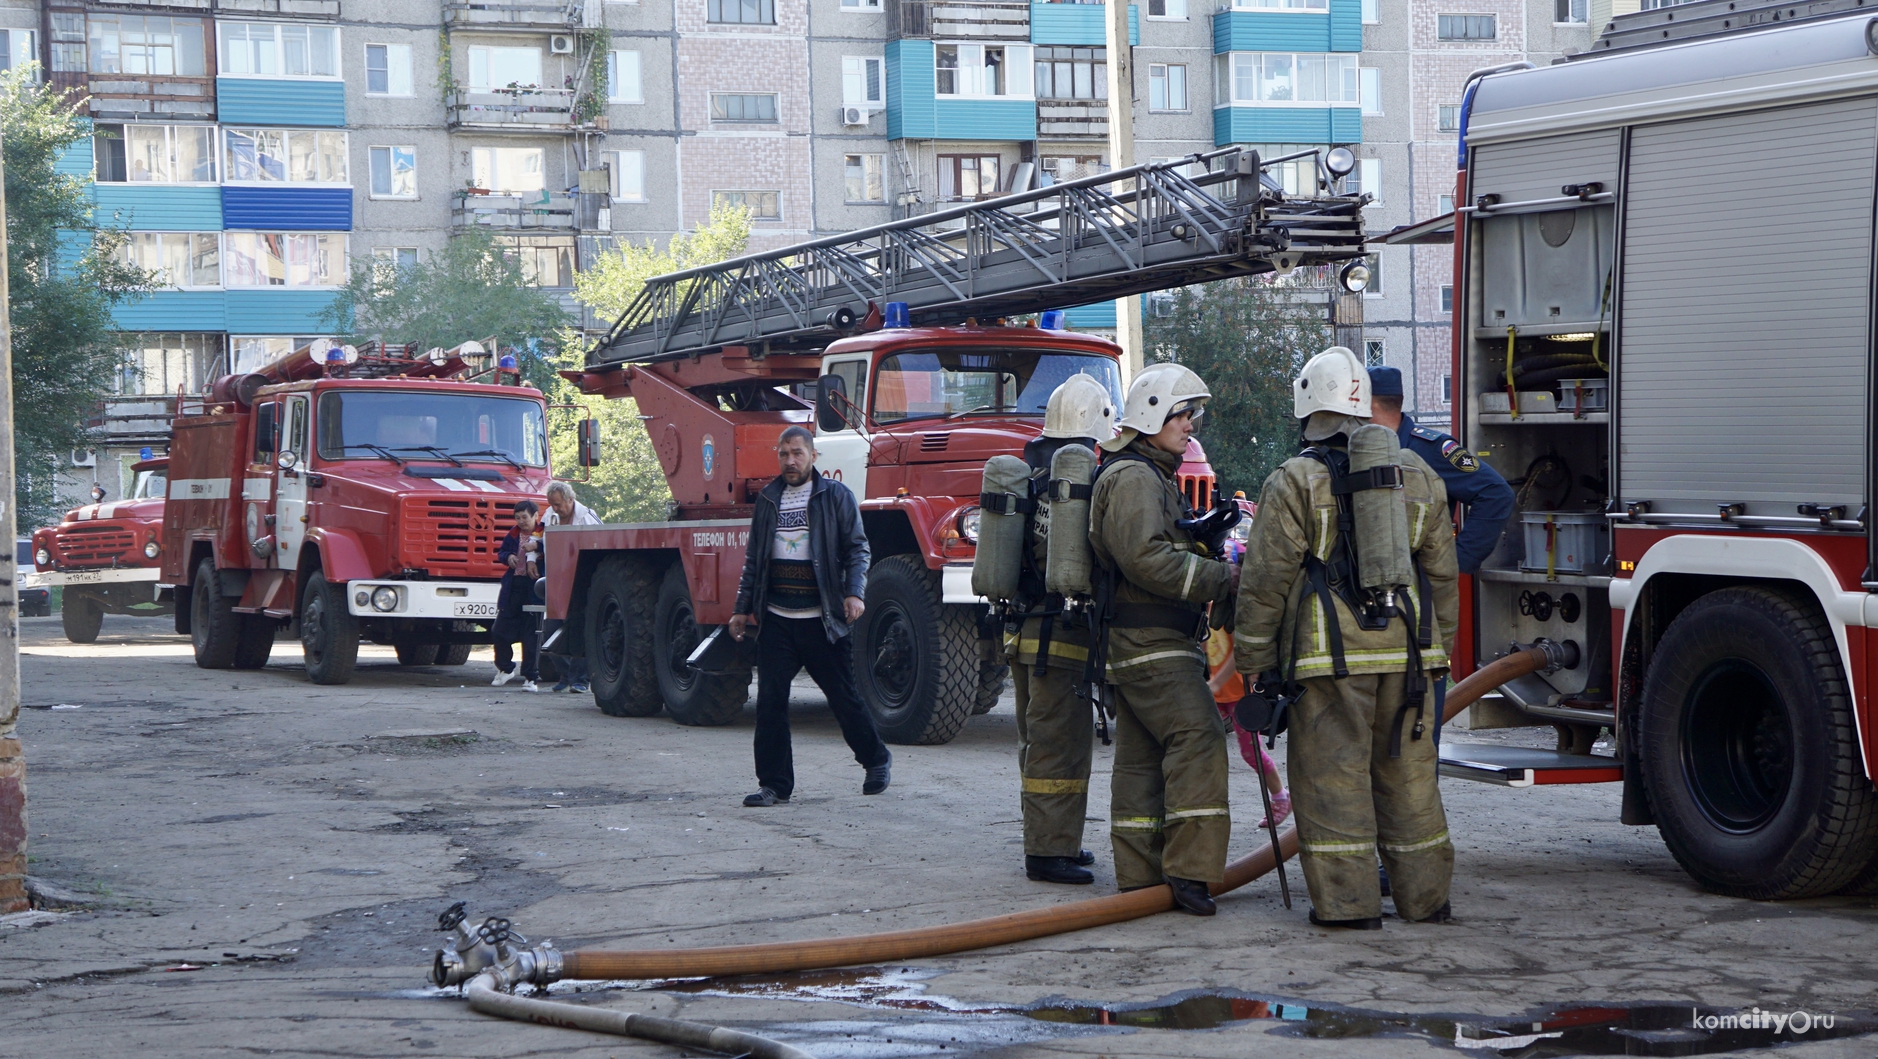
x: 487, y: 947
x: 1559, y: 654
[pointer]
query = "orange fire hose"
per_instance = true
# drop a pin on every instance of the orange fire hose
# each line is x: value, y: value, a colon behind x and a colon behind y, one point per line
x: 778, y: 957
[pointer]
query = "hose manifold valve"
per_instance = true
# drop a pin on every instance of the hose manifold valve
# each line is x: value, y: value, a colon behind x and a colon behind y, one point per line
x: 490, y: 946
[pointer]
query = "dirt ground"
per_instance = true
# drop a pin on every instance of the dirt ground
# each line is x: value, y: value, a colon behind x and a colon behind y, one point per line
x: 262, y: 862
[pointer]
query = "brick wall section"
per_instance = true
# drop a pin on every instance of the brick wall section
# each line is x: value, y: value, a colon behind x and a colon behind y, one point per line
x: 12, y: 824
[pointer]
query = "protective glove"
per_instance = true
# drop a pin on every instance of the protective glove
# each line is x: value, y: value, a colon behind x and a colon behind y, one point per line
x: 1265, y: 708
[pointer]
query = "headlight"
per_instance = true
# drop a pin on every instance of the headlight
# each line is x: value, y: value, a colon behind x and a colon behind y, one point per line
x: 969, y: 520
x: 361, y: 597
x: 385, y: 598
x: 42, y: 557
x: 151, y: 549
x: 1354, y: 277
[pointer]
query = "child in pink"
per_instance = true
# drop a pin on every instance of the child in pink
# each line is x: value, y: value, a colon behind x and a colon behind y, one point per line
x: 1228, y: 688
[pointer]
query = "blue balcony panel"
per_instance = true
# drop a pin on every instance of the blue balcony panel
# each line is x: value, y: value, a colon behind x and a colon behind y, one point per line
x: 174, y: 310
x: 1287, y: 125
x: 159, y: 207
x: 910, y: 114
x: 1099, y: 317
x: 264, y: 101
x: 74, y: 159
x: 1346, y: 25
x: 1085, y: 24
x: 277, y: 312
x: 288, y: 208
x: 985, y: 119
x: 1275, y: 31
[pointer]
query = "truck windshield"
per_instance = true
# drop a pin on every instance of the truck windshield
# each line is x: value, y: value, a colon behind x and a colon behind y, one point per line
x: 150, y: 484
x: 929, y: 384
x: 406, y: 425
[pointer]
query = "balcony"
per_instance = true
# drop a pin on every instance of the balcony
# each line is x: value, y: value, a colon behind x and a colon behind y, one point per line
x: 958, y: 20
x: 1070, y: 118
x: 534, y: 15
x: 115, y: 97
x: 522, y: 110
x: 531, y: 211
x: 301, y: 8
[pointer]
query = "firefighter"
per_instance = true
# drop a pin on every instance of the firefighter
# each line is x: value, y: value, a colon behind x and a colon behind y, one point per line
x: 1470, y: 483
x: 1055, y: 726
x: 1168, y: 815
x: 1319, y: 621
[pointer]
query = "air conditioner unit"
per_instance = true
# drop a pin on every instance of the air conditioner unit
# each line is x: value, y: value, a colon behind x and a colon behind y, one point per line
x: 1161, y: 306
x: 560, y: 43
x: 84, y: 458
x: 853, y: 115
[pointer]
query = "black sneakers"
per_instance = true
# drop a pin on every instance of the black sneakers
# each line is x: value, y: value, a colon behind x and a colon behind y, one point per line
x: 764, y: 797
x: 1057, y: 870
x: 1191, y: 896
x: 878, y: 777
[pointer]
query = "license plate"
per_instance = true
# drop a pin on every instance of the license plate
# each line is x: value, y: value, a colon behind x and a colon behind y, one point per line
x: 475, y: 610
x: 84, y: 577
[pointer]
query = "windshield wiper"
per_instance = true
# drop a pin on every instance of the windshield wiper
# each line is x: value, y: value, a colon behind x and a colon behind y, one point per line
x: 432, y: 449
x: 980, y: 408
x: 382, y: 452
x: 497, y: 453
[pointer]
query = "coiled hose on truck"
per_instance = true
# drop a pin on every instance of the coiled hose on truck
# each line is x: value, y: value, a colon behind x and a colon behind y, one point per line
x: 486, y: 984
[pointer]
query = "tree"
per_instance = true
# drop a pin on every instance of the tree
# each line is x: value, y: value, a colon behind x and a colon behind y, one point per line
x: 64, y: 276
x: 1248, y: 339
x: 629, y: 486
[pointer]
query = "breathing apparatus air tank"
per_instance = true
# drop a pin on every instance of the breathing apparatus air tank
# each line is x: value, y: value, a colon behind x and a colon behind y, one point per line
x: 1003, y: 496
x: 1067, y: 562
x: 1381, y: 515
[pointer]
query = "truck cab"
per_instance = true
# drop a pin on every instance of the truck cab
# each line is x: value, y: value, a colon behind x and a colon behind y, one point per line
x: 106, y: 556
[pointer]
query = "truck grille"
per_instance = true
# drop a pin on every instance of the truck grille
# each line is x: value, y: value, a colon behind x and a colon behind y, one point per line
x: 453, y: 537
x: 94, y: 544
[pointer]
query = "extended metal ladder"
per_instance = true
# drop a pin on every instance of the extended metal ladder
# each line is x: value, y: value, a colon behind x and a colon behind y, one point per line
x: 1130, y: 231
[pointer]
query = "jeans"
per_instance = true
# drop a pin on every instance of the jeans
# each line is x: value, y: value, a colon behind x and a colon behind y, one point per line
x: 786, y: 646
x: 510, y: 628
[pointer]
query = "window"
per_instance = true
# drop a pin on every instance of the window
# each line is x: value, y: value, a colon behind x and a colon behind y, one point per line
x: 1175, y: 9
x: 1447, y: 389
x: 1374, y: 288
x: 1057, y: 169
x: 982, y: 70
x: 253, y: 352
x: 164, y: 363
x: 860, y: 81
x: 860, y: 5
x: 1072, y: 73
x: 1281, y: 5
x: 299, y: 156
x: 1372, y: 354
x: 1369, y: 91
x: 146, y: 45
x: 264, y: 49
x: 763, y: 205
x: 394, y: 172
x: 394, y: 258
x: 853, y: 375
x: 546, y: 260
x: 1167, y: 86
x: 956, y: 381
x: 629, y: 176
x: 863, y: 177
x: 506, y: 170
x: 1448, y: 118
x: 388, y: 70
x: 494, y: 69
x: 1367, y: 180
x: 727, y: 106
x: 68, y: 41
x: 1464, y: 27
x: 1447, y: 301
x: 17, y: 48
x: 1283, y: 78
x: 1372, y: 11
x: 1444, y: 204
x: 1572, y: 11
x: 758, y: 12
x: 622, y: 78
x: 480, y: 429
x: 284, y: 259
x: 158, y: 154
x: 963, y: 177
x: 179, y: 259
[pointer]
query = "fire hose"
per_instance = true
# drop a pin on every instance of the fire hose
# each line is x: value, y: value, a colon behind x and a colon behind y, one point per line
x: 482, y: 959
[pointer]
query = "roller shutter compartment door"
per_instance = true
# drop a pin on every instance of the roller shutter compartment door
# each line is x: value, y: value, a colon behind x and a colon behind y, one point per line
x: 1537, y: 169
x: 1743, y: 344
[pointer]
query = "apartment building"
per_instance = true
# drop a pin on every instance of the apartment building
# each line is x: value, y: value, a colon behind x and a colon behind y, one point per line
x: 1417, y: 55
x: 260, y: 149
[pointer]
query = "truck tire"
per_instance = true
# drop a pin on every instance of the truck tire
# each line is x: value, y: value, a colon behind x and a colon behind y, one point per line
x: 82, y: 615
x: 329, y: 633
x: 619, y: 637
x: 693, y: 698
x: 256, y: 641
x: 991, y: 679
x: 915, y: 658
x: 1748, y: 750
x: 453, y: 654
x: 214, y: 627
x: 418, y: 654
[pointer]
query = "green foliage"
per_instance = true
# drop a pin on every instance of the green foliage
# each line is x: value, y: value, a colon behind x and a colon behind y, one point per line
x: 590, y: 101
x: 63, y: 279
x: 628, y: 486
x: 468, y: 290
x: 1247, y: 339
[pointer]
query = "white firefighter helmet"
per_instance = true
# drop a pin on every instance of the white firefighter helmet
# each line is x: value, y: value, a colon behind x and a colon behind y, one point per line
x: 1080, y: 408
x: 1332, y: 381
x: 1159, y: 391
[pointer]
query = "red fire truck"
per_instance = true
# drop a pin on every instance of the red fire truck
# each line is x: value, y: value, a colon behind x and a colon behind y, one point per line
x: 1667, y: 344
x: 347, y: 495
x: 890, y: 342
x: 105, y: 556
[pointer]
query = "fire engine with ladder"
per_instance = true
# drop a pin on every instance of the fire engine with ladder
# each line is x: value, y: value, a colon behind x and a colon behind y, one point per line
x: 1666, y: 342
x: 891, y: 343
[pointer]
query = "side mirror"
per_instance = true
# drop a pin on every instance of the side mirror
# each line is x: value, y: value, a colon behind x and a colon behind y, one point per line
x: 587, y: 434
x: 267, y: 428
x: 830, y: 389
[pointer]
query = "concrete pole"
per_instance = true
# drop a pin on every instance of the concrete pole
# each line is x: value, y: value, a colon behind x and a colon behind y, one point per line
x: 12, y: 761
x: 1121, y: 155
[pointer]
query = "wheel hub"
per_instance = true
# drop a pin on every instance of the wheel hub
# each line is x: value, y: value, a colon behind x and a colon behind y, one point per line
x: 893, y: 646
x: 681, y: 638
x: 1737, y: 746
